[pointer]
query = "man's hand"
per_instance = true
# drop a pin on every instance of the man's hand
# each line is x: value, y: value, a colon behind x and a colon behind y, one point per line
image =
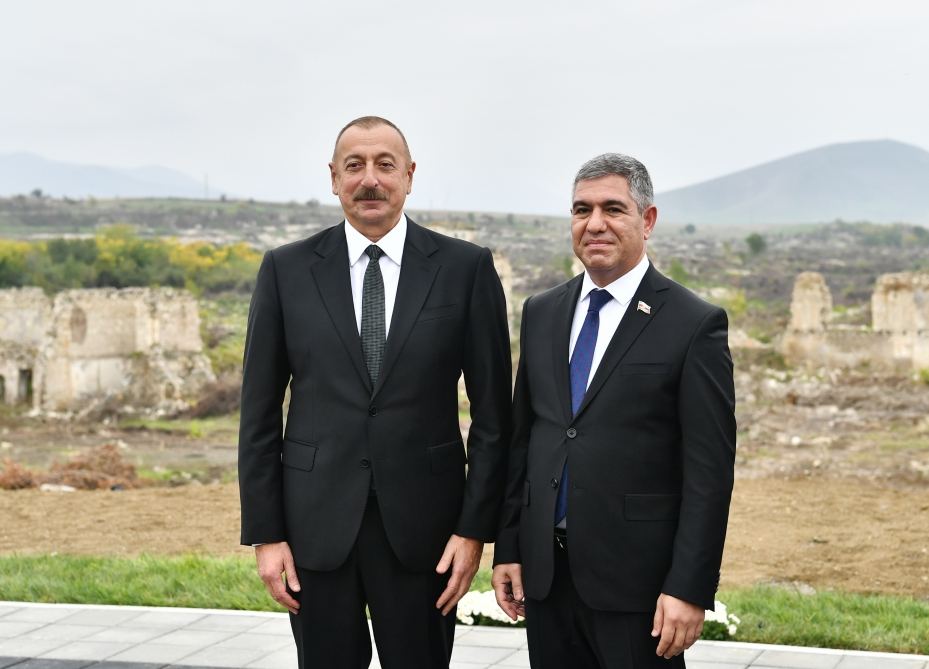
x: 463, y: 556
x: 274, y: 560
x: 508, y: 587
x: 678, y: 622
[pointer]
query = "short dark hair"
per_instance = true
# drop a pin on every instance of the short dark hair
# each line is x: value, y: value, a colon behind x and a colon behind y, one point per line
x: 368, y: 122
x: 634, y: 172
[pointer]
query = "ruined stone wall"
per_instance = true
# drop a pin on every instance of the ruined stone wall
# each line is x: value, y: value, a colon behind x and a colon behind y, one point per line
x: 141, y: 346
x: 25, y: 319
x: 900, y: 309
x: 900, y: 303
x: 118, y: 323
x: 898, y: 339
x: 811, y: 303
x: 17, y: 372
x: 25, y: 315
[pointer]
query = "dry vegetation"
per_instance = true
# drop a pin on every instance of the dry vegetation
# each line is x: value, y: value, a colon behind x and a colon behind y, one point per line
x: 100, y: 468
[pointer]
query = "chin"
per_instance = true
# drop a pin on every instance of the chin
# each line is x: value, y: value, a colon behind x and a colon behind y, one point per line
x: 598, y: 262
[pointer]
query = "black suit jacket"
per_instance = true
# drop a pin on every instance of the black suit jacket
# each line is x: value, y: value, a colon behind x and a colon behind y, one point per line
x: 651, y: 451
x: 309, y: 484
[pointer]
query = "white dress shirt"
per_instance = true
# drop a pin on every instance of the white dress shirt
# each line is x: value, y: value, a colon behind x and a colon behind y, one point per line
x: 611, y: 313
x: 392, y: 246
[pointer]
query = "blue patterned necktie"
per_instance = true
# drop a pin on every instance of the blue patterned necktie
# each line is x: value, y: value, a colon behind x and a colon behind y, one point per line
x: 581, y: 361
x: 373, y: 328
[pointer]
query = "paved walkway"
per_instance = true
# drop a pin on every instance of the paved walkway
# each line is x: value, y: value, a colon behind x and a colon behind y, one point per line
x: 67, y: 636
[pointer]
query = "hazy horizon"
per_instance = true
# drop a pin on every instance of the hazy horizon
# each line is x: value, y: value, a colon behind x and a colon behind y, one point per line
x: 501, y: 103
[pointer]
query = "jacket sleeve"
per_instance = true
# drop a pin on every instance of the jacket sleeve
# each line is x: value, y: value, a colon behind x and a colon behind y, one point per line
x: 265, y: 375
x: 506, y: 550
x: 488, y: 376
x: 706, y: 406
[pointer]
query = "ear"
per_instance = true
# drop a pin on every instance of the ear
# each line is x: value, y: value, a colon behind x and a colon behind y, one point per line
x: 651, y: 217
x: 333, y: 173
x: 409, y: 177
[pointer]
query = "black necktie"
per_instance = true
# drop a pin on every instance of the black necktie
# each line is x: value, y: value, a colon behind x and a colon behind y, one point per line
x: 373, y: 327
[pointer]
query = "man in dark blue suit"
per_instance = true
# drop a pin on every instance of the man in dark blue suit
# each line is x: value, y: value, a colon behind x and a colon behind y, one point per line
x: 621, y: 463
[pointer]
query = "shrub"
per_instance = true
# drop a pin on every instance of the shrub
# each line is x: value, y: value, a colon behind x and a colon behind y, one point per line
x: 218, y: 399
x: 16, y: 477
x: 100, y: 468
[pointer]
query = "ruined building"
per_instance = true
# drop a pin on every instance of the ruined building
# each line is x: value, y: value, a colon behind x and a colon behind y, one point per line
x: 141, y: 346
x: 897, y: 339
x: 501, y: 264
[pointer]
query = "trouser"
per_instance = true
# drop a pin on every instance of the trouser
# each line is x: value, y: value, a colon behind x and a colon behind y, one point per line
x: 331, y: 629
x: 564, y: 633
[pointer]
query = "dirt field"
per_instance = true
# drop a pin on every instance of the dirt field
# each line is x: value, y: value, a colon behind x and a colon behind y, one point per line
x: 832, y: 486
x: 851, y: 535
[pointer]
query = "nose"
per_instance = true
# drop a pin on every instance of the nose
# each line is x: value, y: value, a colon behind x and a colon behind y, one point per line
x: 370, y: 177
x: 597, y: 222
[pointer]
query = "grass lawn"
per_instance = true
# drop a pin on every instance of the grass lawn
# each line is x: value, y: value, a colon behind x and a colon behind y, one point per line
x: 769, y: 615
x: 195, y: 428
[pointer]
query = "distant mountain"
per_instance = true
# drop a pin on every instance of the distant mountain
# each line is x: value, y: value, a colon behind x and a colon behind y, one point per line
x: 24, y: 172
x: 879, y: 181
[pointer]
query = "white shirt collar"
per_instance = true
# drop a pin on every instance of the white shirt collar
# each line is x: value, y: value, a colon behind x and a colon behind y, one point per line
x: 391, y: 243
x: 623, y: 288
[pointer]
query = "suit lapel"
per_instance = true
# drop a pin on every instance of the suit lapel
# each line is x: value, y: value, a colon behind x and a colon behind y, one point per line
x: 633, y: 323
x: 335, y: 287
x: 565, y: 305
x: 417, y: 273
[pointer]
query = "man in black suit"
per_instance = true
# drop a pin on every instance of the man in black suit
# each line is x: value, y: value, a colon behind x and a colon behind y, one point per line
x: 364, y: 500
x: 621, y: 463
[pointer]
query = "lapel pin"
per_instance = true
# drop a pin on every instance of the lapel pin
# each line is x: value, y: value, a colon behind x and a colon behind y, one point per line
x: 644, y: 308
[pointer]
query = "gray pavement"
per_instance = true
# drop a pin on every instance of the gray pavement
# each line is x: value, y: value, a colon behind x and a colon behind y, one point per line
x: 68, y: 636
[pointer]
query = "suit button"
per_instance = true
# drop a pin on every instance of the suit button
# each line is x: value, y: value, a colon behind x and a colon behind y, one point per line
x: 554, y: 483
x: 372, y: 410
x: 571, y: 433
x: 365, y: 463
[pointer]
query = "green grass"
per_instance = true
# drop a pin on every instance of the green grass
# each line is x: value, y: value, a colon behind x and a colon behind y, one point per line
x: 831, y: 619
x: 189, y: 581
x: 195, y: 428
x: 769, y: 615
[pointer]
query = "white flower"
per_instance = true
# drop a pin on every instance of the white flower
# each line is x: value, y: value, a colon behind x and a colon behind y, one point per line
x: 720, y: 614
x: 480, y: 604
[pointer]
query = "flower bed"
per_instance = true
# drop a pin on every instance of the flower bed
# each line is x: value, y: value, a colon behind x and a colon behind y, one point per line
x: 480, y: 608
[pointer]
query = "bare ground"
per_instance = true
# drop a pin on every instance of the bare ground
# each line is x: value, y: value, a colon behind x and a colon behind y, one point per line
x: 832, y: 486
x: 845, y: 534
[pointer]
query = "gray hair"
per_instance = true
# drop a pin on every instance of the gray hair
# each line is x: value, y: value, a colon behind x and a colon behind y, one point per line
x: 634, y: 172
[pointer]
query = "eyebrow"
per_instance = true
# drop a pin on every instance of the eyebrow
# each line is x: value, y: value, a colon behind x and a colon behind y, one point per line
x: 608, y: 203
x: 358, y: 156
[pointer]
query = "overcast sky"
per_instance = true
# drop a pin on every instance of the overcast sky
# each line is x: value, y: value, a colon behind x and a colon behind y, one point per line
x: 501, y: 101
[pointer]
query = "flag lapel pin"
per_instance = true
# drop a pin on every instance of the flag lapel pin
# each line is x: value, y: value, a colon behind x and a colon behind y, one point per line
x: 644, y: 308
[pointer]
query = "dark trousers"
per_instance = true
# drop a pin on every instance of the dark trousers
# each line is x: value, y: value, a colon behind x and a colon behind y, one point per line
x: 331, y: 629
x: 565, y: 633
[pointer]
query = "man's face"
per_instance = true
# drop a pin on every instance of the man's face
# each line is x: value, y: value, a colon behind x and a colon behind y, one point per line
x: 607, y: 230
x: 372, y: 177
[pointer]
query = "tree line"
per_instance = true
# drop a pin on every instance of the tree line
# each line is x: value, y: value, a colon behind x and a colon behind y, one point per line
x: 117, y: 258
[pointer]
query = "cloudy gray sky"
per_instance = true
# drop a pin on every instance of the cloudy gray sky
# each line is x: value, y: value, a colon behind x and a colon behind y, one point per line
x: 501, y: 100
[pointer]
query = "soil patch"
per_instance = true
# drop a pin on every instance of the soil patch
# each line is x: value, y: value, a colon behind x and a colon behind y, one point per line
x: 848, y: 534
